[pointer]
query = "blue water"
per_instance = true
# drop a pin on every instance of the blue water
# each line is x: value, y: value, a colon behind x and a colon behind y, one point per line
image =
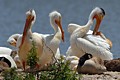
x: 12, y: 18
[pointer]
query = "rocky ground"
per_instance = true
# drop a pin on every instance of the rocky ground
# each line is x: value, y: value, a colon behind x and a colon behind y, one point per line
x: 109, y: 75
x: 104, y: 76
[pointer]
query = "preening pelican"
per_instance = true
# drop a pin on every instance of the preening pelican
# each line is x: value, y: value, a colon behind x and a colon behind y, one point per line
x: 28, y: 37
x: 92, y: 35
x: 52, y: 41
x: 13, y: 40
x: 80, y: 43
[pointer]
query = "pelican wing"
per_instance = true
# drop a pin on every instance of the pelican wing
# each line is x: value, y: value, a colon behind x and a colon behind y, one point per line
x: 5, y: 50
x: 98, y: 41
x: 50, y: 46
x: 95, y: 50
x: 72, y: 27
x: 69, y: 51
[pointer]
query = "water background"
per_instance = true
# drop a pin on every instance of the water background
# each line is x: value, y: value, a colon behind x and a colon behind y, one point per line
x: 12, y: 18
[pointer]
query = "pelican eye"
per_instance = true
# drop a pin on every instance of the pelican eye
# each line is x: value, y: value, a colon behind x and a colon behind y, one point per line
x: 31, y: 38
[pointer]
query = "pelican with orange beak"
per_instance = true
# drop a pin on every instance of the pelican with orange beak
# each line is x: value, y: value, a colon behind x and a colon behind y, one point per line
x: 47, y: 44
x: 83, y: 40
x: 14, y: 41
x: 52, y: 41
x: 28, y: 37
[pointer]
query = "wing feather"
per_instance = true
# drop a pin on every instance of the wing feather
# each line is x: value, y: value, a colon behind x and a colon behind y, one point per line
x: 93, y: 49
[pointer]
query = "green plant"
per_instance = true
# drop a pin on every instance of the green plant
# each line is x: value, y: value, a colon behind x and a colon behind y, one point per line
x: 59, y: 70
x: 29, y: 76
x: 32, y: 56
x: 11, y: 74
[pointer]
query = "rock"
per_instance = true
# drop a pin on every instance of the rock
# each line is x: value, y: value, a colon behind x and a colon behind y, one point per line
x: 112, y: 65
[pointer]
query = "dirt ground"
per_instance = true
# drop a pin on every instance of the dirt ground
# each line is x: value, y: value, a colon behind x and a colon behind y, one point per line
x: 104, y: 76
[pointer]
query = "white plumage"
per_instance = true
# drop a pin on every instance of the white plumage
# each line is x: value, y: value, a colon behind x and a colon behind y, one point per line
x: 49, y: 42
x: 52, y: 41
x: 8, y: 60
x: 83, y: 40
x: 14, y: 41
x: 5, y: 50
x: 25, y: 41
x: 74, y: 60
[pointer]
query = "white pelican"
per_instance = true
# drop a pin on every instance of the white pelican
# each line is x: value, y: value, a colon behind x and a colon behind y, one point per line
x: 46, y: 44
x: 74, y: 60
x: 27, y: 39
x: 4, y: 58
x: 80, y: 44
x: 52, y: 41
x: 90, y: 65
x: 7, y: 51
x: 93, y: 35
x: 14, y: 41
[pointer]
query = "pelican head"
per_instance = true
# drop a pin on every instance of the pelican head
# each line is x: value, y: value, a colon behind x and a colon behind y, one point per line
x: 12, y: 42
x: 31, y: 15
x: 98, y: 14
x: 55, y: 20
x: 30, y: 19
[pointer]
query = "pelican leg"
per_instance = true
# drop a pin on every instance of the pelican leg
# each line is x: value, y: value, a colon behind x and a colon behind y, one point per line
x: 98, y: 33
x: 23, y: 63
x: 37, y: 66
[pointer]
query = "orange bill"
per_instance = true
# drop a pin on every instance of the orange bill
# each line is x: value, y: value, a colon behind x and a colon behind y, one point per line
x: 60, y: 26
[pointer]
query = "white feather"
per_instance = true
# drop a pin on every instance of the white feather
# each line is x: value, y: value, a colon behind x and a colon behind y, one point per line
x: 13, y: 64
x: 82, y: 41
